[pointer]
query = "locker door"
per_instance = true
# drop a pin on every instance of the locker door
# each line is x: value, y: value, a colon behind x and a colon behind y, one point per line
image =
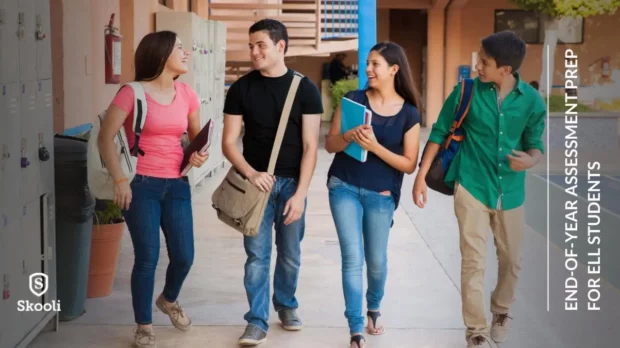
x: 31, y: 256
x: 27, y: 44
x: 4, y: 125
x: 219, y: 54
x: 45, y: 126
x: 208, y: 73
x: 196, y: 41
x: 12, y: 279
x: 9, y: 54
x: 43, y: 39
x: 204, y: 75
x: 10, y: 148
x: 4, y: 277
x: 29, y: 141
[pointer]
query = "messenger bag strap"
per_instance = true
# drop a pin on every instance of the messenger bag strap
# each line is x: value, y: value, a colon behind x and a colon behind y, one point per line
x: 284, y: 121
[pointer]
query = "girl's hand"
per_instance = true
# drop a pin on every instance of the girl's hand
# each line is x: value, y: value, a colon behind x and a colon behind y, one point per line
x: 122, y: 194
x: 197, y: 160
x: 365, y: 137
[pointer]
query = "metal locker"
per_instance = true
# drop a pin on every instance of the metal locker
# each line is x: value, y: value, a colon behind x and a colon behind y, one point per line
x: 12, y: 286
x: 27, y: 47
x: 43, y: 39
x: 182, y: 26
x: 202, y: 75
x: 4, y: 130
x: 9, y: 55
x: 210, y: 59
x: 31, y: 233
x: 10, y: 147
x: 196, y: 39
x: 45, y: 136
x: 5, y: 320
x: 29, y: 149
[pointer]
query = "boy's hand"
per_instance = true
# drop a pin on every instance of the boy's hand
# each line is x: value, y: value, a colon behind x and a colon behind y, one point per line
x: 520, y: 161
x: 419, y: 191
x: 294, y: 208
x: 262, y: 180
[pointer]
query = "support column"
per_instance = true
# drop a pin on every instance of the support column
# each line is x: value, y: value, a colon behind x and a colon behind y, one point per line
x: 366, y: 34
x: 434, y: 65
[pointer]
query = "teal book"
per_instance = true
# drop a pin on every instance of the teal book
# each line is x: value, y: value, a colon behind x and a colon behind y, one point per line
x: 353, y: 114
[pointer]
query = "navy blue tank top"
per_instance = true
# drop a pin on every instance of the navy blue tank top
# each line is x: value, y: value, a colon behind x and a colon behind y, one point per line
x: 375, y: 174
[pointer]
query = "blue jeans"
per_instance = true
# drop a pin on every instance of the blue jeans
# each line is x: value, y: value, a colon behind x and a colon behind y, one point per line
x: 363, y: 219
x: 167, y: 203
x: 258, y: 250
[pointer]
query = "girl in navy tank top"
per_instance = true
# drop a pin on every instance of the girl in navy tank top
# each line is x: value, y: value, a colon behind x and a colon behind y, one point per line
x: 364, y: 195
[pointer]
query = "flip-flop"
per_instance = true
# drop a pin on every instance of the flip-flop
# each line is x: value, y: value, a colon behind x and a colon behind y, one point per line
x: 357, y: 339
x: 374, y: 316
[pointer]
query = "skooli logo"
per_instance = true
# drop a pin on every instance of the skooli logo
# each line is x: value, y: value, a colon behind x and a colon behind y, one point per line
x: 39, y: 285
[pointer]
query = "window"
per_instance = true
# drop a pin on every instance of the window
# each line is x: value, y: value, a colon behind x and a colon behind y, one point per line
x: 525, y: 24
x: 530, y: 26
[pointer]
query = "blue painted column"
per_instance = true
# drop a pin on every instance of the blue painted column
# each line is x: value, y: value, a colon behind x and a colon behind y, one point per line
x: 367, y: 35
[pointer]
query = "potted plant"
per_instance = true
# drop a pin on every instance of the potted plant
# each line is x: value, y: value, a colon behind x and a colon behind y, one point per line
x: 108, y: 228
x: 341, y: 88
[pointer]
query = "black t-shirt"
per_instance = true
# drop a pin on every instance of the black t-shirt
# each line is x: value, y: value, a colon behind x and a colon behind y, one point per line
x: 260, y: 101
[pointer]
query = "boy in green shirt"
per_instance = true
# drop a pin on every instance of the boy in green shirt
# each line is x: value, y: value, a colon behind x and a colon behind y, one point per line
x: 503, y: 138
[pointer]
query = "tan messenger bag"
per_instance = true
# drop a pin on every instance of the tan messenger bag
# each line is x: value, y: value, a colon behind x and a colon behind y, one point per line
x: 239, y: 203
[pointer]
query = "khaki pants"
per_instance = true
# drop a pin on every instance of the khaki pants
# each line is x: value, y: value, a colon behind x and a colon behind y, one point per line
x: 474, y: 220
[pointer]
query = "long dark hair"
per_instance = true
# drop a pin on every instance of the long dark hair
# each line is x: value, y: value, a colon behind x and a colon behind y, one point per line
x: 403, y: 81
x: 152, y: 54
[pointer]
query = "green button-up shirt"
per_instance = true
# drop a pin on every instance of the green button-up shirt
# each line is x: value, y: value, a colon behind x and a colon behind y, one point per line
x: 492, y: 131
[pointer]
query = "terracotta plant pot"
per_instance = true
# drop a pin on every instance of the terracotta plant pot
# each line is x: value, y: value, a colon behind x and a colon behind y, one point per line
x: 104, y: 250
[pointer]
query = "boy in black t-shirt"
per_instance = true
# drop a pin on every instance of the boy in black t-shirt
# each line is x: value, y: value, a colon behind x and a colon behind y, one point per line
x: 257, y: 100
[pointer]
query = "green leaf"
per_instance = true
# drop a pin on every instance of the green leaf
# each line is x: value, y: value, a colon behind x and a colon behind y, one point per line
x: 109, y: 214
x: 341, y: 88
x: 558, y: 104
x: 569, y: 8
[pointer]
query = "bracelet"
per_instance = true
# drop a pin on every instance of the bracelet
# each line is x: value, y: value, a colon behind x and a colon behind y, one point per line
x: 116, y: 182
x: 345, y: 139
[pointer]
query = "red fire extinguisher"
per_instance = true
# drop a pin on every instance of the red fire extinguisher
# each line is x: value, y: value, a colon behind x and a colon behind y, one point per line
x: 112, y: 53
x: 606, y: 69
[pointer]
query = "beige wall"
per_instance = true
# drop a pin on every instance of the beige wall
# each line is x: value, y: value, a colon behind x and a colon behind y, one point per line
x: 463, y: 37
x: 78, y: 64
x: 598, y: 35
x: 79, y: 88
x: 78, y: 54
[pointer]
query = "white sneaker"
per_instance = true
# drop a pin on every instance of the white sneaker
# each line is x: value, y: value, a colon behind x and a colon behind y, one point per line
x: 478, y: 341
x: 144, y: 338
x: 501, y: 326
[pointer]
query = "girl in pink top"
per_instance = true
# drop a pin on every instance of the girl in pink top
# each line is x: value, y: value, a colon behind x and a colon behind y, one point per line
x: 158, y: 197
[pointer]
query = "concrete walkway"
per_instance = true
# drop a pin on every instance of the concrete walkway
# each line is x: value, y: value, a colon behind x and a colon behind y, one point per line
x: 422, y: 305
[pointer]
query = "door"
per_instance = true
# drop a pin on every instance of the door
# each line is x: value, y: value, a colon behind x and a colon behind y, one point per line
x: 9, y: 54
x: 29, y: 149
x: 26, y: 27
x: 45, y: 133
x: 10, y: 149
x: 43, y: 39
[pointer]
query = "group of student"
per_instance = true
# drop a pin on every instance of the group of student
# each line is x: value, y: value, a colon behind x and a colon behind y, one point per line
x: 503, y: 129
